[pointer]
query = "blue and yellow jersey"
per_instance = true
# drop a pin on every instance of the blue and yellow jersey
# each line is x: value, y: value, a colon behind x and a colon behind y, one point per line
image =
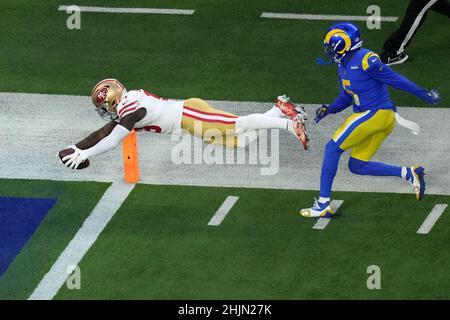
x: 364, y: 82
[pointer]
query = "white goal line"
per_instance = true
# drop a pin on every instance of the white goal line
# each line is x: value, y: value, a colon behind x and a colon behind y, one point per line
x: 86, y: 236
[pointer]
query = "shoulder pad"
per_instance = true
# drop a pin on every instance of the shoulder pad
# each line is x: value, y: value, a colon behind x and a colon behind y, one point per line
x: 127, y: 105
x: 370, y: 59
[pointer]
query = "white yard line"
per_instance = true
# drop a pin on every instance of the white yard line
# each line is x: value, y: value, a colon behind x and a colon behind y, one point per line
x: 323, y: 222
x: 128, y: 10
x: 105, y: 209
x: 301, y: 16
x: 222, y: 212
x: 432, y: 218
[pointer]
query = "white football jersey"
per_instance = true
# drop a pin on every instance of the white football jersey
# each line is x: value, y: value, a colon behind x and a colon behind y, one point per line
x: 163, y: 115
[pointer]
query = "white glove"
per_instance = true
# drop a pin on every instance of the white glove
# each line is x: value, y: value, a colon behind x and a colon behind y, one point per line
x: 74, y: 159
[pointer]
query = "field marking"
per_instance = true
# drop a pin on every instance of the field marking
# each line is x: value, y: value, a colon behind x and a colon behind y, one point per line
x: 41, y: 114
x: 323, y: 222
x: 130, y: 10
x: 105, y: 209
x: 222, y: 212
x: 302, y: 16
x: 432, y: 218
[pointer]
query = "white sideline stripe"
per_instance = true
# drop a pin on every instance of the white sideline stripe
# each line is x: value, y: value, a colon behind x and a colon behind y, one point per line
x: 323, y: 222
x: 105, y: 209
x: 222, y: 212
x: 129, y: 10
x: 301, y: 16
x: 432, y: 218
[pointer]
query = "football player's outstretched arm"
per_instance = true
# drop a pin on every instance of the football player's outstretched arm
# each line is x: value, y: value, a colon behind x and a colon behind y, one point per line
x: 385, y: 74
x: 104, y: 139
x: 96, y: 136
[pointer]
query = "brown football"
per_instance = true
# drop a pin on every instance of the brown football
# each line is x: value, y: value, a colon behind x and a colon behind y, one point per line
x: 65, y: 152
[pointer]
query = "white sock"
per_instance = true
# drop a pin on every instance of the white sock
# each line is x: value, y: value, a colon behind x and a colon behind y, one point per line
x: 404, y: 171
x: 323, y: 200
x: 274, y: 112
x: 260, y: 121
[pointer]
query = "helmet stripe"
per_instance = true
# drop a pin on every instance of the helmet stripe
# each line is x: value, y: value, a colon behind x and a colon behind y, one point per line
x: 332, y: 33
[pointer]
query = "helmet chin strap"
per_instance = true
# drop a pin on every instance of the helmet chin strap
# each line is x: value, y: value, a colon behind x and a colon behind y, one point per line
x: 356, y: 46
x: 338, y: 60
x: 106, y: 115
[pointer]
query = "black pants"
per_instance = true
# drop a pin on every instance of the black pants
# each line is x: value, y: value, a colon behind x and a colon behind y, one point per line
x: 413, y: 20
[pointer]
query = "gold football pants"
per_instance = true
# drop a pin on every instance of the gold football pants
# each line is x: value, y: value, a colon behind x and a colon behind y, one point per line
x: 212, y: 125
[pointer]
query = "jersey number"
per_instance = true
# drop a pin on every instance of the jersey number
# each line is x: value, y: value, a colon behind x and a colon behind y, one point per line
x: 346, y: 84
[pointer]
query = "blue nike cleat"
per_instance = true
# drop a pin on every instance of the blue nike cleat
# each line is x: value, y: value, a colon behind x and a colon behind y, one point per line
x: 318, y: 210
x: 415, y: 176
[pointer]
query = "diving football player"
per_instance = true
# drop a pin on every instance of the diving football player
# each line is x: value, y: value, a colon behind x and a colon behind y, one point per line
x: 364, y: 82
x: 142, y: 110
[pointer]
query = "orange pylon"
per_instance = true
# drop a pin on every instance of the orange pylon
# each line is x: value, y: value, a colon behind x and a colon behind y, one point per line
x: 130, y: 158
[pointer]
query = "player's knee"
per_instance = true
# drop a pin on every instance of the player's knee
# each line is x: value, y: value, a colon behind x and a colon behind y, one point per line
x: 332, y: 149
x: 357, y: 166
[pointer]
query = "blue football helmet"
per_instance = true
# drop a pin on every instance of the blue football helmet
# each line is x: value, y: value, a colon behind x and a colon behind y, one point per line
x: 340, y: 39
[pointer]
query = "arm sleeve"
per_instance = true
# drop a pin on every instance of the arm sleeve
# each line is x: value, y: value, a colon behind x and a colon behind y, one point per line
x: 383, y: 73
x: 109, y: 142
x: 343, y: 101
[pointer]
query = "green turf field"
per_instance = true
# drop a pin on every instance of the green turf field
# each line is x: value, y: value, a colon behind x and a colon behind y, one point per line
x: 75, y: 202
x: 159, y: 246
x: 225, y: 51
x: 263, y: 250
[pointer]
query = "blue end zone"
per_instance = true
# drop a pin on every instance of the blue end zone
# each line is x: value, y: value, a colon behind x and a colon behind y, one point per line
x: 19, y: 219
